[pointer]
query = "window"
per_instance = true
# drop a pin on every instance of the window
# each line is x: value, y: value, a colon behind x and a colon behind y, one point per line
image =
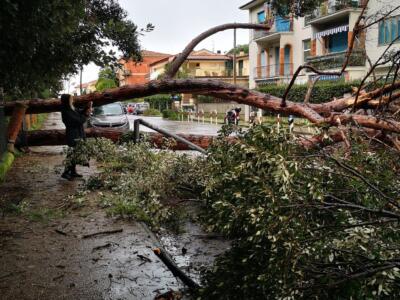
x: 389, y: 30
x: 261, y: 17
x: 306, y: 49
x: 198, y: 65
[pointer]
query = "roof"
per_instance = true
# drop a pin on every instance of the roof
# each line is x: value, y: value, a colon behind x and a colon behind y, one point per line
x: 202, y: 54
x: 86, y: 84
x: 164, y: 59
x: 153, y: 53
x: 251, y: 4
x: 205, y: 54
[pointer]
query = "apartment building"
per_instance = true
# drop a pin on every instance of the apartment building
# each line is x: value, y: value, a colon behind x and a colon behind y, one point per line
x: 138, y: 72
x: 320, y: 39
x: 205, y: 64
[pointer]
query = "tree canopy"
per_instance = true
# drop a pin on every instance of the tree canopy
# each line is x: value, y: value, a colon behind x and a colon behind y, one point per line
x: 240, y: 48
x: 107, y: 79
x: 46, y: 40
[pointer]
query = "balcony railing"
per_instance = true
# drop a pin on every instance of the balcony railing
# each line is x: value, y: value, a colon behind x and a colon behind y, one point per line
x: 328, y: 8
x: 336, y: 60
x: 273, y: 71
x: 278, y: 25
x: 222, y: 73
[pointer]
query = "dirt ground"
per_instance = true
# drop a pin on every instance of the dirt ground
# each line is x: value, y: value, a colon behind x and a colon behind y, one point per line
x: 45, y: 252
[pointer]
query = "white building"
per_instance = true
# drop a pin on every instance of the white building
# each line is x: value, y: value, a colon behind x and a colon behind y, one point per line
x: 320, y: 39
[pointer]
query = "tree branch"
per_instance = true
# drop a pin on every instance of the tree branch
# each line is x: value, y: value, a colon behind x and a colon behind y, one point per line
x: 180, y: 59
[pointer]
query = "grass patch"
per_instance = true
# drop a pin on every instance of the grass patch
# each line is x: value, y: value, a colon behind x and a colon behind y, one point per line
x: 44, y: 215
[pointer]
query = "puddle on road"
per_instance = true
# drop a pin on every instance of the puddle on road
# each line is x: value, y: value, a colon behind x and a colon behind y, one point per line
x: 194, y: 250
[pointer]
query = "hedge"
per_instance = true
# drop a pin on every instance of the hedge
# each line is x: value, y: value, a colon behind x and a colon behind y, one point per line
x: 152, y: 112
x: 170, y: 114
x: 322, y: 92
x: 160, y: 102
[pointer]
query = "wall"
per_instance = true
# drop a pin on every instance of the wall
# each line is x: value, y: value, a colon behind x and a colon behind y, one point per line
x: 374, y: 50
x: 295, y: 39
x: 253, y: 47
x: 157, y: 70
x: 139, y: 71
x: 207, y: 68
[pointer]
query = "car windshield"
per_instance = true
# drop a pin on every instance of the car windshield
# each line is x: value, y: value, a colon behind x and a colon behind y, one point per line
x: 108, y: 110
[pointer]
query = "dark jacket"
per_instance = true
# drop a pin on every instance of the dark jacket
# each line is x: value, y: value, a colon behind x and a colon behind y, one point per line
x: 73, y: 121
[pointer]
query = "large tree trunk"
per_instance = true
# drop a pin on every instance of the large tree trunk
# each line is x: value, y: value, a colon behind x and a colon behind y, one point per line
x: 15, y: 124
x: 57, y: 138
x: 317, y: 113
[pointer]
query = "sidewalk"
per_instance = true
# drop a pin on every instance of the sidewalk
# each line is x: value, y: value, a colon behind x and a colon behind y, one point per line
x: 43, y: 252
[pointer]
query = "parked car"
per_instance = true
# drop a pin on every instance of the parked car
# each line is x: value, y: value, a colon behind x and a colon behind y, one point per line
x: 140, y: 108
x: 109, y: 116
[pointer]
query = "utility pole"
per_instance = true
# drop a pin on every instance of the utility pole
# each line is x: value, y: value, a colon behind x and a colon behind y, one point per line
x: 234, y: 56
x: 80, y: 81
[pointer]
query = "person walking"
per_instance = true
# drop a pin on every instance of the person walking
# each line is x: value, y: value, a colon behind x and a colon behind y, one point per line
x: 73, y: 119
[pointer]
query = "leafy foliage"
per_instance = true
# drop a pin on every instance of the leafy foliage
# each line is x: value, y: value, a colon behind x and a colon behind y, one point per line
x: 160, y: 102
x: 305, y: 225
x: 170, y: 114
x: 136, y: 181
x: 321, y: 224
x: 298, y: 8
x: 107, y: 79
x: 55, y: 37
x: 240, y: 48
x: 152, y: 112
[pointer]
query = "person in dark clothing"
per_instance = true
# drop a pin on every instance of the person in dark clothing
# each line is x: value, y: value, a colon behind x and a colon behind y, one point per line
x: 73, y: 119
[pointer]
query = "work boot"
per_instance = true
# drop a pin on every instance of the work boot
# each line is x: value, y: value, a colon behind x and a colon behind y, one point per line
x: 74, y: 173
x: 66, y: 175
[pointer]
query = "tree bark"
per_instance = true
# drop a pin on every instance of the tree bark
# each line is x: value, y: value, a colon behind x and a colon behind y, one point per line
x: 57, y: 138
x: 15, y: 124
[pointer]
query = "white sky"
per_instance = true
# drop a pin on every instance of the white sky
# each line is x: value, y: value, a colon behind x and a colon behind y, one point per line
x: 177, y: 22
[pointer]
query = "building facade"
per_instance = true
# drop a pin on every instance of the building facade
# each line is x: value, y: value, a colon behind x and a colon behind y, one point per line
x: 87, y: 88
x: 205, y: 64
x: 133, y: 72
x: 320, y: 40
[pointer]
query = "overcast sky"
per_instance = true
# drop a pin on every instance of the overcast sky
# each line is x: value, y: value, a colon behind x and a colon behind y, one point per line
x: 177, y: 22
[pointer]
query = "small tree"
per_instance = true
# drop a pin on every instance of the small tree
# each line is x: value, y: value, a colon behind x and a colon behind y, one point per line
x: 107, y: 79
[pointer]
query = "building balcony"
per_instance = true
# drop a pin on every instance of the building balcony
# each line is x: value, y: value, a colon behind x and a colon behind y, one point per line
x: 278, y: 25
x: 333, y: 8
x: 218, y: 74
x: 273, y: 72
x: 336, y: 60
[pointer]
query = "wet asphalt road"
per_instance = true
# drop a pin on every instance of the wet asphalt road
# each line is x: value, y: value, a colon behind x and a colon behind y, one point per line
x: 177, y: 126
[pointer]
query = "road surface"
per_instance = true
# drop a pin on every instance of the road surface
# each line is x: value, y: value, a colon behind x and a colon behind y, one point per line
x: 177, y: 126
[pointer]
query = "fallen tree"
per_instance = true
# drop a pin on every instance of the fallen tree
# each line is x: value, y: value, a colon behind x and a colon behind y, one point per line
x: 320, y: 114
x: 336, y: 112
x: 57, y: 138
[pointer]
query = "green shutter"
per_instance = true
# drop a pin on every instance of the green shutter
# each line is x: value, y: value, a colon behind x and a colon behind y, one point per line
x: 381, y: 38
x: 387, y: 31
x: 394, y: 29
x: 398, y: 26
